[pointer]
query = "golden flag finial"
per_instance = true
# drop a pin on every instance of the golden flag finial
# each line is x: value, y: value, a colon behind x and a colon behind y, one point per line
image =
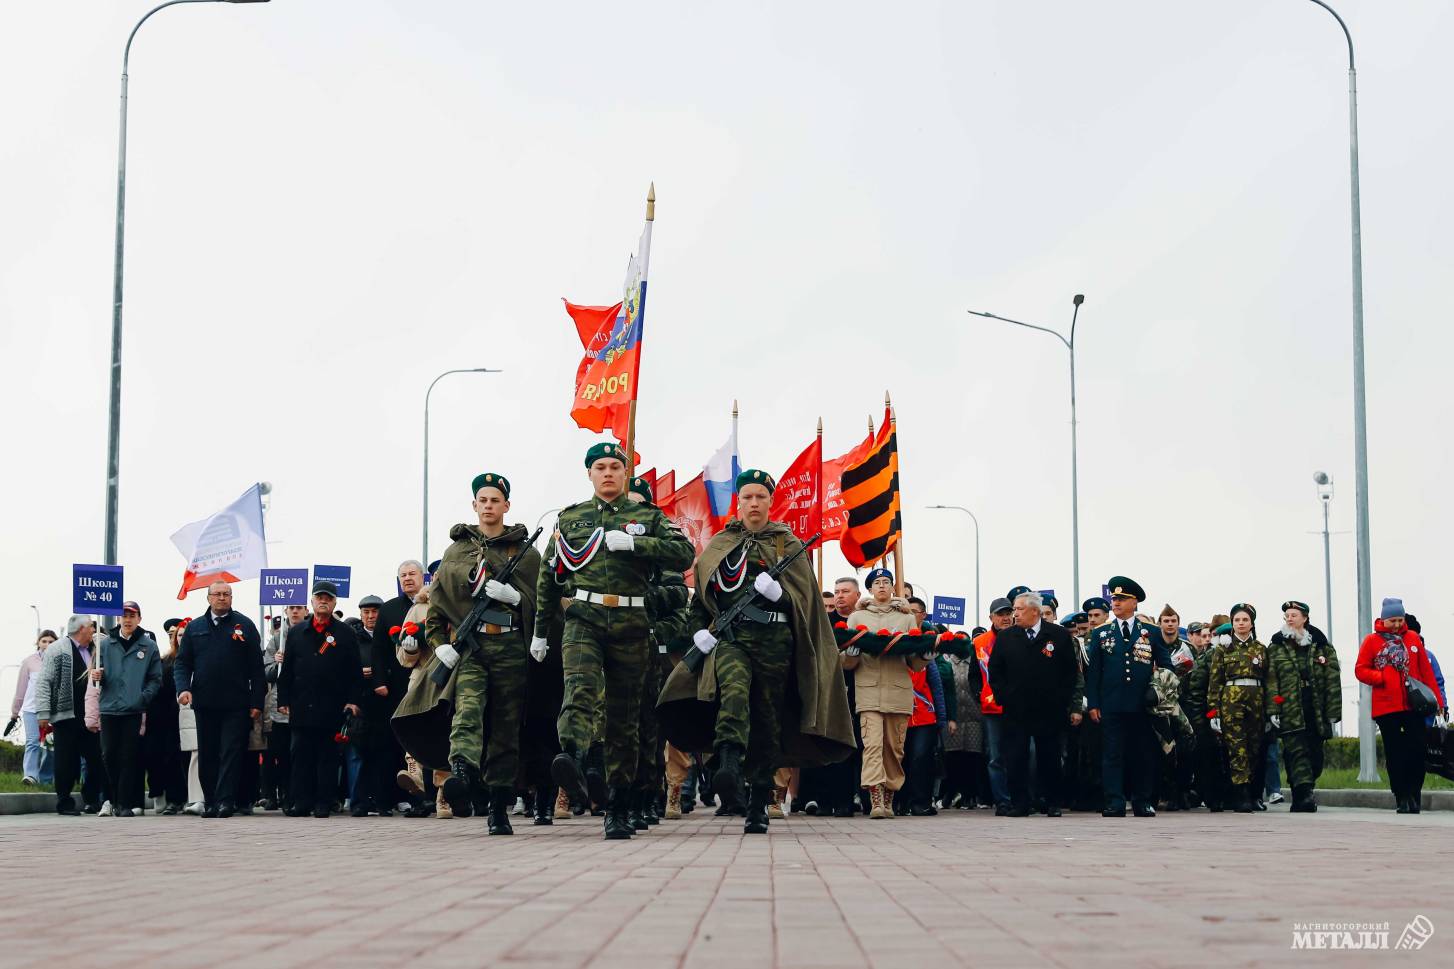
x: 734, y: 409
x: 651, y: 203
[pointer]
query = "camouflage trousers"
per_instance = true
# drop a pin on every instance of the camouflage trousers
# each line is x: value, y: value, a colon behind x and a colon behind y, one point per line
x: 606, y: 652
x: 1243, y: 724
x: 752, y: 674
x: 649, y: 754
x: 489, y: 685
x: 1302, y: 755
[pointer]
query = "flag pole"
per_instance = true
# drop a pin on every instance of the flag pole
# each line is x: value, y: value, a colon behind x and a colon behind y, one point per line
x: 820, y: 498
x: 645, y: 256
x: 899, y: 545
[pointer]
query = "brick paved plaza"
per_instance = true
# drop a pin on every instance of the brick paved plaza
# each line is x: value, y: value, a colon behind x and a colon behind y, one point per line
x: 960, y: 889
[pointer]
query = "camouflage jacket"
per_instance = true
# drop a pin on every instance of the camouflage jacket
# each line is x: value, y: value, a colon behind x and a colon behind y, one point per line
x: 1307, y: 662
x: 1168, y: 694
x: 577, y: 556
x: 1194, y: 687
x: 667, y: 607
x: 1237, y: 661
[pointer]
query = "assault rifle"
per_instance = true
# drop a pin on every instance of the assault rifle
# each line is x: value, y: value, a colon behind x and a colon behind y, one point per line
x: 486, y: 610
x: 748, y: 607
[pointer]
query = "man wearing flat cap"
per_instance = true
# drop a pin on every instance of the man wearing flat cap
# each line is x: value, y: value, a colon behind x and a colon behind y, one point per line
x: 605, y: 551
x: 489, y: 662
x: 1123, y: 653
x: 320, y: 681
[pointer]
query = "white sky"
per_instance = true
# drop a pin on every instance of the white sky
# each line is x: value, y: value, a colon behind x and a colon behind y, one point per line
x: 331, y: 201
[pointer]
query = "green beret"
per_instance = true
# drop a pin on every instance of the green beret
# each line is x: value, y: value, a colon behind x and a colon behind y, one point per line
x: 642, y: 488
x: 752, y: 476
x: 490, y: 480
x: 606, y: 449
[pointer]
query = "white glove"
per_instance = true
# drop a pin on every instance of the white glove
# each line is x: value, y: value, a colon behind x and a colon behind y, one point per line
x: 1216, y: 725
x: 501, y: 592
x: 619, y: 541
x: 768, y: 587
x: 705, y: 641
x: 410, y: 644
x: 1276, y: 721
x: 447, y: 654
x: 538, y: 648
x: 852, y: 651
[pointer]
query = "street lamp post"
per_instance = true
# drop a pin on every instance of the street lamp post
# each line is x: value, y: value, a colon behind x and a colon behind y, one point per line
x: 1074, y: 432
x: 113, y: 433
x: 1325, y: 494
x: 977, y: 615
x: 424, y: 541
x: 1367, y: 763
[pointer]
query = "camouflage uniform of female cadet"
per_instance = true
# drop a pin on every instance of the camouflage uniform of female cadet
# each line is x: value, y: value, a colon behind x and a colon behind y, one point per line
x: 1242, y: 702
x: 1307, y: 668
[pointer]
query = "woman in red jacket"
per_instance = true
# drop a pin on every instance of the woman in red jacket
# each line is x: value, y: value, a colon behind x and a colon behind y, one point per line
x: 1388, y: 655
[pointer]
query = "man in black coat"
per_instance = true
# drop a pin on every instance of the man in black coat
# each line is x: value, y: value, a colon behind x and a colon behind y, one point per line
x: 319, y: 681
x: 1033, y: 669
x: 384, y: 756
x: 219, y: 673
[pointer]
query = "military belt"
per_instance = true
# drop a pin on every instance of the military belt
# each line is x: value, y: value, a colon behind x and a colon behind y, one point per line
x: 492, y: 629
x: 611, y: 601
x: 1246, y: 681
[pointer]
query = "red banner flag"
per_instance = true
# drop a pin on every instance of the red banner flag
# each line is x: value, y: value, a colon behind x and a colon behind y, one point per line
x: 664, y: 486
x: 835, y: 516
x: 690, y: 507
x: 606, y: 377
x: 798, y: 499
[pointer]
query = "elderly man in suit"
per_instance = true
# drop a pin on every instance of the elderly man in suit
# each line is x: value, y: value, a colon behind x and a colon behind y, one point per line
x: 1033, y: 669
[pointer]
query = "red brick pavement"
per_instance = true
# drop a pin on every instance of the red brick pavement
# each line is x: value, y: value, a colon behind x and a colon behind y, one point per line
x: 1183, y: 890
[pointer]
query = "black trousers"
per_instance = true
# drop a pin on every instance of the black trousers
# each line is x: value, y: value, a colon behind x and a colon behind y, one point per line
x: 1126, y: 759
x: 221, y: 745
x: 383, y: 758
x: 315, y: 768
x: 278, y: 763
x: 121, y: 750
x: 165, y: 764
x: 1016, y: 738
x: 74, y: 743
x: 920, y: 744
x: 1403, y: 753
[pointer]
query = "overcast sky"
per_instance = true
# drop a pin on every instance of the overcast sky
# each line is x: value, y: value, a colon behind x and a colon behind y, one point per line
x: 331, y: 201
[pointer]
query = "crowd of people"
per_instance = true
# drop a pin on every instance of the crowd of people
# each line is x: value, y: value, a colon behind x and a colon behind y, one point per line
x: 623, y: 675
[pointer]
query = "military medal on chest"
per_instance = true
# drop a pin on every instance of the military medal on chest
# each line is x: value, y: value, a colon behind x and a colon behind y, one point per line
x: 635, y: 528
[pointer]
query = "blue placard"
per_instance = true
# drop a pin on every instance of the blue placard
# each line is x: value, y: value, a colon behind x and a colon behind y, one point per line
x: 949, y: 610
x: 337, y: 574
x: 283, y: 587
x: 1046, y: 594
x: 96, y: 590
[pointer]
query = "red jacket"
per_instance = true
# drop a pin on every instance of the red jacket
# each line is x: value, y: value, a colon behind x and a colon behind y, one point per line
x: 984, y: 645
x: 923, y: 714
x: 1388, y: 683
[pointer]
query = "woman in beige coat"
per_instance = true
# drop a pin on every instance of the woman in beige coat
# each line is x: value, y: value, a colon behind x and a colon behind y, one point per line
x: 883, y: 692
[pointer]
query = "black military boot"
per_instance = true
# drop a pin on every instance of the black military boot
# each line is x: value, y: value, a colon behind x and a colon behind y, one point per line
x: 1302, y: 799
x: 460, y: 787
x: 758, y: 800
x: 545, y: 805
x: 595, y: 771
x: 637, y: 815
x: 727, y: 778
x: 651, y: 808
x: 618, y: 814
x: 568, y: 772
x: 1243, y: 801
x: 501, y: 798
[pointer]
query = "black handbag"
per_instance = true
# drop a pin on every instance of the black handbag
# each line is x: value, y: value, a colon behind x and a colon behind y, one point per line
x: 1422, y: 700
x: 1439, y: 750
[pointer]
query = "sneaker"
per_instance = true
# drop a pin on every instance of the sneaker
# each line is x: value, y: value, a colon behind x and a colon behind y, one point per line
x: 1276, y: 798
x: 125, y: 813
x: 195, y: 809
x: 106, y: 810
x: 403, y: 807
x: 29, y: 781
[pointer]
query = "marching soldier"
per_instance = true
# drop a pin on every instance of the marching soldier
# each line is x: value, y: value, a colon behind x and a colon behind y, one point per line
x: 1242, y: 704
x: 489, y: 673
x: 1123, y: 653
x: 607, y: 550
x: 1307, y: 668
x: 1211, y: 761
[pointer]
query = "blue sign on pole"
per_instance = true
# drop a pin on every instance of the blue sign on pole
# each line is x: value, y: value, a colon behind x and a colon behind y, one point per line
x: 949, y: 610
x: 337, y: 574
x: 283, y: 587
x: 96, y: 590
x: 1046, y: 594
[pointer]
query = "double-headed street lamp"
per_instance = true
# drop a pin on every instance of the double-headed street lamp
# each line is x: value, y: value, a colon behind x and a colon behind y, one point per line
x: 113, y: 433
x: 424, y: 541
x: 1074, y: 461
x: 977, y: 615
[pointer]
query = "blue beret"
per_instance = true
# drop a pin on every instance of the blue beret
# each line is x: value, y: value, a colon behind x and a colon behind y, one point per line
x: 877, y: 574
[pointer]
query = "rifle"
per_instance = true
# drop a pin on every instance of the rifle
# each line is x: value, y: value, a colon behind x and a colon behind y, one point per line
x: 485, y: 610
x: 748, y: 607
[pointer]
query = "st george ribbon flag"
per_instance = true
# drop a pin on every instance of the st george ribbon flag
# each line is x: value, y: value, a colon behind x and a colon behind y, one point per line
x: 798, y: 498
x: 871, y: 499
x: 228, y: 545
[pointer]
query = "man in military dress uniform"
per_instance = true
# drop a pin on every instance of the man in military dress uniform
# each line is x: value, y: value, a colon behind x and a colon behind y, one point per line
x: 1123, y: 653
x: 489, y: 671
x: 607, y: 550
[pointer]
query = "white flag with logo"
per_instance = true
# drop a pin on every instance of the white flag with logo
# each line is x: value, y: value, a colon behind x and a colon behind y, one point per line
x: 228, y: 545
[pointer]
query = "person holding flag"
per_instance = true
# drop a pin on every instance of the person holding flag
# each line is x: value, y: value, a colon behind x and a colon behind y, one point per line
x: 606, y: 549
x: 749, y: 675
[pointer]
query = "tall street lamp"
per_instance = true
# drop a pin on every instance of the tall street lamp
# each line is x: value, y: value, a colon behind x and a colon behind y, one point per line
x: 1074, y: 460
x: 1367, y: 764
x: 977, y: 614
x: 424, y: 541
x: 1324, y: 481
x: 113, y: 433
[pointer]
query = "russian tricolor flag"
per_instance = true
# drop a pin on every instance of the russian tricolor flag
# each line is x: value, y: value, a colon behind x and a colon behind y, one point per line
x: 721, y: 474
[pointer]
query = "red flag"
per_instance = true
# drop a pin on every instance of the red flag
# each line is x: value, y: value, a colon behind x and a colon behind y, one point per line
x: 835, y: 516
x: 690, y: 507
x: 798, y: 499
x: 664, y: 486
x: 606, y: 377
x: 650, y: 478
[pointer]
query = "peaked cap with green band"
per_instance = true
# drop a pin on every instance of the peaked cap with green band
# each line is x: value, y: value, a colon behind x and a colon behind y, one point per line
x: 753, y: 476
x: 490, y: 480
x: 606, y: 449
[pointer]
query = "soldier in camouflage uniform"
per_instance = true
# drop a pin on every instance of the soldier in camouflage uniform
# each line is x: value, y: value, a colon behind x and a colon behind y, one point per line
x: 1242, y: 704
x: 1307, y: 670
x: 607, y: 549
x: 1209, y: 760
x: 489, y: 671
